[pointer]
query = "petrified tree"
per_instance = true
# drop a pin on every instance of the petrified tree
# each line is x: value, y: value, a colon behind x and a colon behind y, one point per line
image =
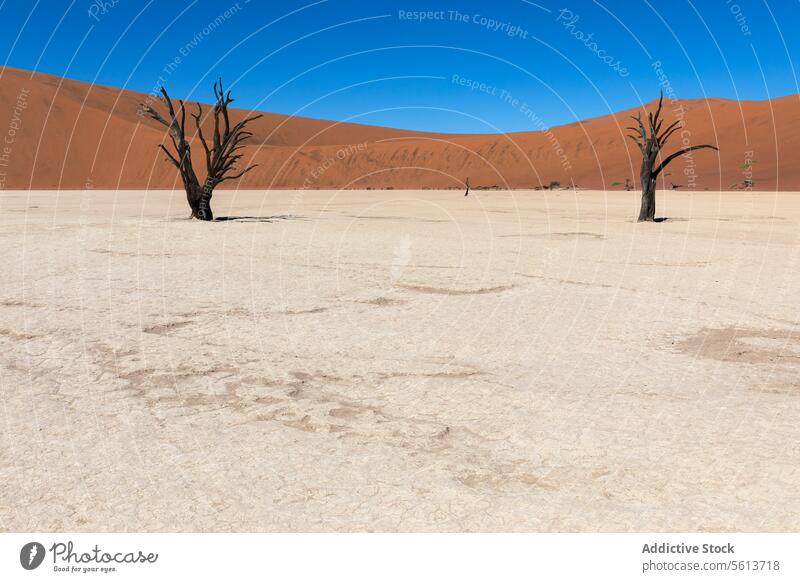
x: 221, y: 156
x: 651, y: 140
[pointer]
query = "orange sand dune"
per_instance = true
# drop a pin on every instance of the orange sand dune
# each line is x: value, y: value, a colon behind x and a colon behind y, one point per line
x: 67, y: 134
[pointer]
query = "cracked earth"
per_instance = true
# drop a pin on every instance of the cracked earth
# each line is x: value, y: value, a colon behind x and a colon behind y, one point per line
x: 399, y: 361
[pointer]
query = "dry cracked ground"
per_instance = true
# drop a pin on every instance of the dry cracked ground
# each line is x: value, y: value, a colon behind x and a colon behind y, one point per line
x: 399, y: 361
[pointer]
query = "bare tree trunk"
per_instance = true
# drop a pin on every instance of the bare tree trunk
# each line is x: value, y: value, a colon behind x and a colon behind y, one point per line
x: 204, y: 194
x: 647, y: 212
x: 651, y: 139
x: 194, y: 194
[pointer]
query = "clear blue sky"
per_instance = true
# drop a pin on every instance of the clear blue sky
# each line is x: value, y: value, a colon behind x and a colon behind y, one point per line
x: 375, y: 62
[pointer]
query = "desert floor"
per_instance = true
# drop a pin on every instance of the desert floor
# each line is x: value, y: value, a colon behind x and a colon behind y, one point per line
x: 399, y: 361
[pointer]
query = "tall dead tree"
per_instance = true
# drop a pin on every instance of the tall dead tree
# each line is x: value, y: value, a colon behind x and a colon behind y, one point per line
x: 651, y: 141
x: 221, y: 156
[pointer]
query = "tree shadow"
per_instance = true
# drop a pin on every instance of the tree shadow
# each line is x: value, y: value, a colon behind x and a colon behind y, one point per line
x: 275, y: 218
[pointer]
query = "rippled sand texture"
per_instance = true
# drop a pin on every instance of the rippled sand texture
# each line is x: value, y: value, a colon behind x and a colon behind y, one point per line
x: 399, y: 361
x: 73, y: 128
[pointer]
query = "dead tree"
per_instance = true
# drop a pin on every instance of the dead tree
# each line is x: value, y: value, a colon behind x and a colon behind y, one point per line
x: 651, y: 141
x: 467, y: 192
x: 221, y: 156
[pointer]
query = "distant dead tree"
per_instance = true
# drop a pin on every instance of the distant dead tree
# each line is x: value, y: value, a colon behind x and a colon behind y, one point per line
x: 651, y: 140
x: 221, y: 156
x: 467, y: 192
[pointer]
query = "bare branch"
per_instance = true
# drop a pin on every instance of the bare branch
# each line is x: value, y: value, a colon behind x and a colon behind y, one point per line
x: 198, y: 122
x: 679, y: 153
x: 154, y: 115
x: 171, y: 157
x: 675, y: 125
x: 663, y: 139
x: 636, y: 141
x: 240, y: 174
